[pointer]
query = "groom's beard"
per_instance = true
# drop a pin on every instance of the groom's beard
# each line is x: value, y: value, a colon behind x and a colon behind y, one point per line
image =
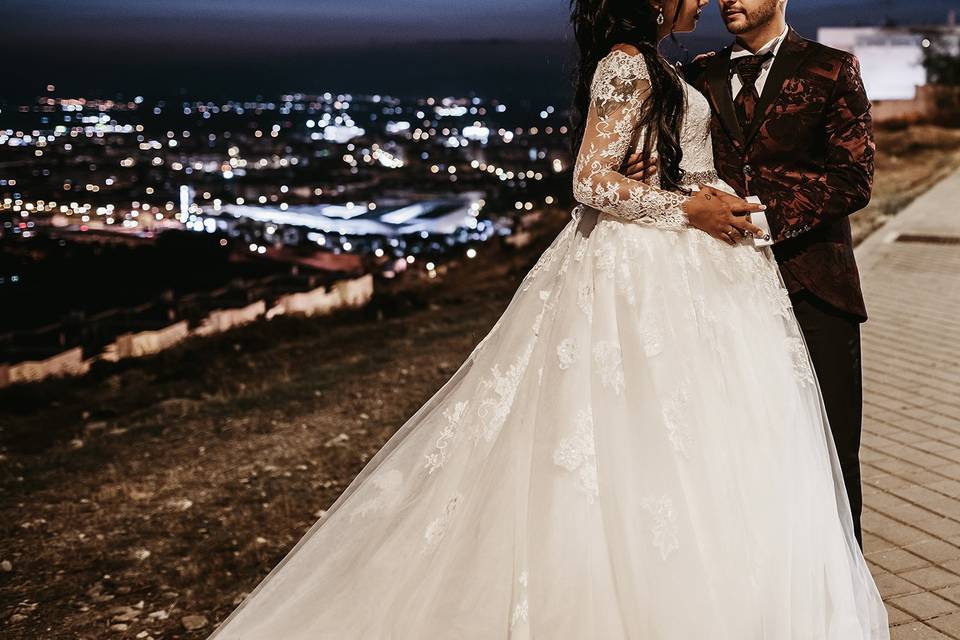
x: 750, y: 19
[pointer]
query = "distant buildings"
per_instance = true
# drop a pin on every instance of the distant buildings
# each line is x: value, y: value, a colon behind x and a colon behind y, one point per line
x: 393, y: 227
x: 892, y: 64
x: 437, y: 216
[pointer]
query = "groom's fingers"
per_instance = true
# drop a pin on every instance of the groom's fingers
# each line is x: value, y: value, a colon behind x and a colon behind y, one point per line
x: 637, y: 169
x: 636, y: 160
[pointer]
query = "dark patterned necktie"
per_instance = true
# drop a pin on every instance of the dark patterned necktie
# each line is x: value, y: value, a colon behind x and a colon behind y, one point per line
x: 748, y: 68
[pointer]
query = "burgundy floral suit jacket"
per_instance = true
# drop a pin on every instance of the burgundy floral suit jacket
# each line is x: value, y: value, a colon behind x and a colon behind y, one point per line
x: 808, y: 155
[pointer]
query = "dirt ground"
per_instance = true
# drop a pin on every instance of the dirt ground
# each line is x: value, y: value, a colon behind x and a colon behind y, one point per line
x: 909, y: 161
x: 145, y: 499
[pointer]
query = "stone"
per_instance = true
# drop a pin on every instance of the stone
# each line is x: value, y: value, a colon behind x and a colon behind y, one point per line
x: 192, y: 623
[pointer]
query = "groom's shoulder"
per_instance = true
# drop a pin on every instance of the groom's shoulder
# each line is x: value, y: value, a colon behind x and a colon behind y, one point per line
x: 829, y: 61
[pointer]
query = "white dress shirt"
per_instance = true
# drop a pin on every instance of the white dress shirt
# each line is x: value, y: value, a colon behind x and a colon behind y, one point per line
x: 740, y: 51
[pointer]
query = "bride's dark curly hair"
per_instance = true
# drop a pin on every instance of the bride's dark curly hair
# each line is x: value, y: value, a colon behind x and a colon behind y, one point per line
x: 598, y: 25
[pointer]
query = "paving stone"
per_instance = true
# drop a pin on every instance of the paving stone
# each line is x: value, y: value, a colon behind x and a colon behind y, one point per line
x: 891, y: 585
x: 924, y: 605
x: 911, y: 443
x: 951, y: 593
x: 898, y: 560
x: 916, y: 631
x: 936, y: 551
x: 930, y: 578
x: 897, y: 616
x: 949, y: 624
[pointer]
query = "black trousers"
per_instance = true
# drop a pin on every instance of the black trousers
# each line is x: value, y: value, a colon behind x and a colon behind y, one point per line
x: 833, y: 337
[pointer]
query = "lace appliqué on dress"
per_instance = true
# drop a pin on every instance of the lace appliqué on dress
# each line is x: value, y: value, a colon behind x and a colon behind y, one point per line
x: 438, y: 527
x: 499, y: 390
x: 609, y: 364
x: 548, y: 257
x: 577, y: 453
x: 438, y: 456
x: 605, y: 255
x: 801, y: 361
x: 674, y: 414
x: 567, y: 353
x: 582, y: 245
x: 625, y: 283
x: 664, y: 527
x: 521, y: 611
x: 538, y: 321
x: 388, y: 486
x: 652, y: 338
x: 585, y: 300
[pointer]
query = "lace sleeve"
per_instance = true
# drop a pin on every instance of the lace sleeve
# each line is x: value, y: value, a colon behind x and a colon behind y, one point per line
x: 620, y: 85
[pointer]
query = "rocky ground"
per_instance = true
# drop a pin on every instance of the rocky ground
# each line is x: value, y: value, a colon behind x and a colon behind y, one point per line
x: 145, y: 499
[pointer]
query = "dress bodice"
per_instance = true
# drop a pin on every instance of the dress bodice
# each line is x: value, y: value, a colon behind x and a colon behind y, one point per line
x: 695, y: 139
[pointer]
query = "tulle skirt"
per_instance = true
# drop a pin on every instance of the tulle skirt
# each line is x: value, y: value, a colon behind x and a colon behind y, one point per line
x: 637, y: 450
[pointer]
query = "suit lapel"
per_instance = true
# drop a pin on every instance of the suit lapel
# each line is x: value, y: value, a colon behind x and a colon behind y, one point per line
x: 789, y: 58
x: 718, y: 81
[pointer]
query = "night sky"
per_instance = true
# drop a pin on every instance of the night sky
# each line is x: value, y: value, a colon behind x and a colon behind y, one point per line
x: 218, y: 45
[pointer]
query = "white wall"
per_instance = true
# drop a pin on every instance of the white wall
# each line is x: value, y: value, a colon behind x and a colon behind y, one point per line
x: 891, y: 61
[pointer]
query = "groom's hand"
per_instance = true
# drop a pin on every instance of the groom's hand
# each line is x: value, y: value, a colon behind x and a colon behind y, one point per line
x: 639, y: 170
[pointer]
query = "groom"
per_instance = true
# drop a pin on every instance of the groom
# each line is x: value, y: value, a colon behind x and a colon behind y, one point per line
x: 791, y: 125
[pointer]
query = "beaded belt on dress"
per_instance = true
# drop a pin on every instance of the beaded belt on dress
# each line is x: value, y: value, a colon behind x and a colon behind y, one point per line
x: 691, y: 178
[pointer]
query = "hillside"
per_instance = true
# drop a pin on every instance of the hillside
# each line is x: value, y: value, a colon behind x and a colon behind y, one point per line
x: 157, y: 489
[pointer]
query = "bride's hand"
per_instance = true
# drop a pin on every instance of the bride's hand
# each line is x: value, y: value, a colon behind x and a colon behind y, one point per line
x: 723, y: 216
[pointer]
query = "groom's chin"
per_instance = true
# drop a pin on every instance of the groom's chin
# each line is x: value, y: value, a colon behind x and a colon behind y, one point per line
x: 736, y: 27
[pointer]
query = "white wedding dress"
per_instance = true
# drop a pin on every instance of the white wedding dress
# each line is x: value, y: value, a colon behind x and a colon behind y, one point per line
x: 637, y: 450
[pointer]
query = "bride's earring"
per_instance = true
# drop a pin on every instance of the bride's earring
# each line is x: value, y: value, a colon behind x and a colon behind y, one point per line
x: 660, y: 16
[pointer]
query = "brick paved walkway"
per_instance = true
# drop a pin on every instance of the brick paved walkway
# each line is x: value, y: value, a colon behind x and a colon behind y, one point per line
x: 911, y: 445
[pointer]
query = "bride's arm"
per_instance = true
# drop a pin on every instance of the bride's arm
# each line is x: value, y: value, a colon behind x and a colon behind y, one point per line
x: 620, y: 86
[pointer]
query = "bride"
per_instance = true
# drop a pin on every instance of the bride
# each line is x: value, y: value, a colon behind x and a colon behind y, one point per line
x: 637, y: 449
